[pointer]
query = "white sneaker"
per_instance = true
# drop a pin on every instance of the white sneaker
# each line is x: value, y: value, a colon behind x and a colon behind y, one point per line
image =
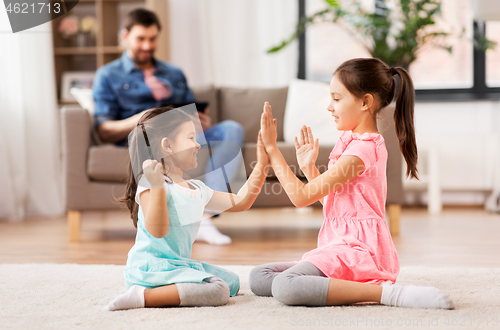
x: 210, y: 234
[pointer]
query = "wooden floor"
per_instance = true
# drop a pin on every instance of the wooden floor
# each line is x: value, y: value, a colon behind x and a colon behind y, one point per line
x: 457, y: 237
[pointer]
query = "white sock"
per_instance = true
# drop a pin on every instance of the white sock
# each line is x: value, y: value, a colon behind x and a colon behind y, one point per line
x: 415, y: 297
x: 210, y: 234
x: 133, y: 298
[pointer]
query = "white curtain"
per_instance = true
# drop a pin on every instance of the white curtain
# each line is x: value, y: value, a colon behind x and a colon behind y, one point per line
x: 493, y: 201
x: 489, y: 10
x: 224, y: 42
x: 30, y: 166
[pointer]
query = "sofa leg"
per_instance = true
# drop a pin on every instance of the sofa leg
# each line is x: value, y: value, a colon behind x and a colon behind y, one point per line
x: 74, y: 225
x: 394, y: 211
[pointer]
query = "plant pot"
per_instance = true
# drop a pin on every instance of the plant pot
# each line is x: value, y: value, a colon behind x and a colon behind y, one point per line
x: 85, y: 39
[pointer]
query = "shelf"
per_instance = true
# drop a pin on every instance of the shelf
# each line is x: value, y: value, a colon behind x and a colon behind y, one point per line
x: 102, y: 49
x: 112, y: 49
x: 74, y: 50
x: 88, y: 50
x: 63, y: 103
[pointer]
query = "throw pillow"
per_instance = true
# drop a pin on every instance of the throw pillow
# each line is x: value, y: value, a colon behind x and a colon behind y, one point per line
x: 306, y: 104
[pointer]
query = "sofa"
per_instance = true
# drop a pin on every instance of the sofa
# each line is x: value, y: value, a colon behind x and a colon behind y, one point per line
x: 94, y: 173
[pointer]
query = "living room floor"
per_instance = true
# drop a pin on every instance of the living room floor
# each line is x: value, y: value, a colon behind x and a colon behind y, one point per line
x: 459, y: 236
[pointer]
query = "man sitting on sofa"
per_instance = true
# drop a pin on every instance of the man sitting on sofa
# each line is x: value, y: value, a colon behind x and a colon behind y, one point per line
x: 126, y: 87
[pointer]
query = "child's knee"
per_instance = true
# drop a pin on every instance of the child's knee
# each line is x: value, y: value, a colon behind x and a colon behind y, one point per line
x: 220, y: 293
x: 283, y: 290
x: 256, y: 281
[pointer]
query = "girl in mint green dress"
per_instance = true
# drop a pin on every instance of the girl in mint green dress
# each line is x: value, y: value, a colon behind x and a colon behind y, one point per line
x: 166, y: 209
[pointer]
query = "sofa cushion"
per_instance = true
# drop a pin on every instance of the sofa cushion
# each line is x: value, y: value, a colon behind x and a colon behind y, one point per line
x: 107, y: 162
x: 84, y: 97
x: 288, y: 151
x: 209, y: 94
x: 244, y: 105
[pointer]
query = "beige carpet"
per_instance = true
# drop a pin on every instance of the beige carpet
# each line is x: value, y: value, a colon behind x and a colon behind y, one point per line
x: 70, y: 296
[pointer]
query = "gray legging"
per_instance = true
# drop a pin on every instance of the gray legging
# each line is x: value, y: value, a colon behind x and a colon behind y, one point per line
x: 211, y: 292
x: 301, y: 284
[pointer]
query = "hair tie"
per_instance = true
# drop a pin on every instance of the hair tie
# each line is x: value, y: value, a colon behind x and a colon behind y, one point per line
x: 393, y: 71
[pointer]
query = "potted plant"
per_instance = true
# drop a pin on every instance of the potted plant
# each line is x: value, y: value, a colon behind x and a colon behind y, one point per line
x: 68, y: 29
x: 394, y: 35
x: 88, y: 27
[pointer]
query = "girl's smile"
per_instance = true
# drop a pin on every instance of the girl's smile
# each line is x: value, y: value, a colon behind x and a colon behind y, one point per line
x: 343, y: 106
x: 184, y: 148
x: 349, y: 112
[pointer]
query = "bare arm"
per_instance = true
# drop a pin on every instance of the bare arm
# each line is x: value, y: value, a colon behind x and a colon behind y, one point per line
x: 112, y: 131
x: 154, y: 201
x: 311, y: 173
x: 245, y: 197
x: 154, y: 207
x: 307, y: 153
x: 345, y: 169
x: 248, y: 193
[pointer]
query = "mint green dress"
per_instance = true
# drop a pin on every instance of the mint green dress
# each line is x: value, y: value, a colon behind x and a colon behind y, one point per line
x: 154, y: 262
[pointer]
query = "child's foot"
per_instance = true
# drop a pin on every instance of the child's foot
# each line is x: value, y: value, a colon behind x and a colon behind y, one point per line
x: 210, y: 234
x: 133, y: 298
x: 415, y: 297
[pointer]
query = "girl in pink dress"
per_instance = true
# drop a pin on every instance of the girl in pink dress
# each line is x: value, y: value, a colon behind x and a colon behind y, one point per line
x: 355, y: 260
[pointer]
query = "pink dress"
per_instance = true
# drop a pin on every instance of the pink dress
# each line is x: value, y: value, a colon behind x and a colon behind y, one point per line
x: 354, y: 242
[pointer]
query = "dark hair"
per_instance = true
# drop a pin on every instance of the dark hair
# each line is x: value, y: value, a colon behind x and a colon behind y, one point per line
x: 142, y: 17
x: 363, y: 76
x: 156, y: 129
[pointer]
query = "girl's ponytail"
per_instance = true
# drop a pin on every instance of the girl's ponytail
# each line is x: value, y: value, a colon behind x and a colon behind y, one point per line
x: 403, y: 119
x: 128, y: 199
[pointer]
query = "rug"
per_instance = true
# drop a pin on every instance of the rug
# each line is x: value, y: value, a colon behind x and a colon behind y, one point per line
x: 71, y: 296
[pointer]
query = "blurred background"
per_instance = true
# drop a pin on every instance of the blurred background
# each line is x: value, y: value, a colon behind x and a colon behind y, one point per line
x: 455, y: 65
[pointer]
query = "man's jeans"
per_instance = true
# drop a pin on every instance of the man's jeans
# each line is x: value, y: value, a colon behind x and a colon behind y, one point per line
x: 225, y: 140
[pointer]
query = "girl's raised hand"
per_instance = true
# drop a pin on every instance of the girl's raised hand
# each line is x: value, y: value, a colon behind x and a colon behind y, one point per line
x: 268, y: 127
x: 153, y: 172
x: 308, y: 148
x: 262, y: 157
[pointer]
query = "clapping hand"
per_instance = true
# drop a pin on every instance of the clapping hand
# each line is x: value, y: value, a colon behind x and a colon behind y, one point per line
x: 153, y: 172
x: 268, y: 127
x: 262, y: 156
x: 307, y: 149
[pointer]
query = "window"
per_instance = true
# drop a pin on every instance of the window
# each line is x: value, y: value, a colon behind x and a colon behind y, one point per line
x: 438, y: 75
x: 327, y: 46
x: 493, y: 56
x: 436, y: 68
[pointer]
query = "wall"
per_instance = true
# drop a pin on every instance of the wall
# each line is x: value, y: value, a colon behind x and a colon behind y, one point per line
x: 467, y: 137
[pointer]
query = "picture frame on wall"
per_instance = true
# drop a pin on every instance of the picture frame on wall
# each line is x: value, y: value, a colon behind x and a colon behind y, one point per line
x: 75, y: 79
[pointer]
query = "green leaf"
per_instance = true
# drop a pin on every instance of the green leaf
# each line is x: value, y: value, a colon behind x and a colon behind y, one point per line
x: 277, y: 48
x: 332, y: 3
x: 394, y: 37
